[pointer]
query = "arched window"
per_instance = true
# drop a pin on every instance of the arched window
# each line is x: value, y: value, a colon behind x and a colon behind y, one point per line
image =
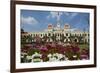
x: 66, y: 34
x: 58, y: 34
x: 41, y: 35
x: 49, y: 34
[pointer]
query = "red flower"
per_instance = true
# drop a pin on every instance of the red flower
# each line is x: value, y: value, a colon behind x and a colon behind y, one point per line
x: 75, y: 49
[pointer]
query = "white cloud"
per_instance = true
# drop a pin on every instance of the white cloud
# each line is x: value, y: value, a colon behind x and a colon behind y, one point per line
x: 28, y: 20
x: 48, y: 17
x: 54, y: 14
x: 71, y: 15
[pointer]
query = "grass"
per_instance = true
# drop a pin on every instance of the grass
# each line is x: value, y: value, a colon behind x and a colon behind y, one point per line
x: 84, y: 46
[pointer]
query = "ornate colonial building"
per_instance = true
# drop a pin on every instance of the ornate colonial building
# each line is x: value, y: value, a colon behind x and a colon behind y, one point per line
x: 58, y: 34
x: 65, y: 34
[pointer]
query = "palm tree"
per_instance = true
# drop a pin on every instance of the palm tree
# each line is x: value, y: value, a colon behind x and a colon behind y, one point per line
x: 22, y: 30
x: 23, y: 41
x: 29, y: 39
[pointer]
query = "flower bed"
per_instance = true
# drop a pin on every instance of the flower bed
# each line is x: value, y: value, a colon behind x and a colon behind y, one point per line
x: 53, y: 52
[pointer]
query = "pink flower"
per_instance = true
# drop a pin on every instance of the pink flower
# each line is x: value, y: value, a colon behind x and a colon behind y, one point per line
x: 84, y: 54
x: 43, y: 48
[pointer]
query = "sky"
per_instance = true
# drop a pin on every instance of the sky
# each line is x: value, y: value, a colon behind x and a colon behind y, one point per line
x: 33, y: 20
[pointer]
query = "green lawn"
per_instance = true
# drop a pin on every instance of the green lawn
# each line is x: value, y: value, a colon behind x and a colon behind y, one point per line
x: 84, y: 46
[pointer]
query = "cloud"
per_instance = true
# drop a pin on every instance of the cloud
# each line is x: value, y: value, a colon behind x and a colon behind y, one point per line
x: 71, y: 15
x: 54, y: 14
x: 28, y: 20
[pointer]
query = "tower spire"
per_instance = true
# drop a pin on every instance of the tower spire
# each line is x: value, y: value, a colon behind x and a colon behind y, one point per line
x: 58, y: 20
